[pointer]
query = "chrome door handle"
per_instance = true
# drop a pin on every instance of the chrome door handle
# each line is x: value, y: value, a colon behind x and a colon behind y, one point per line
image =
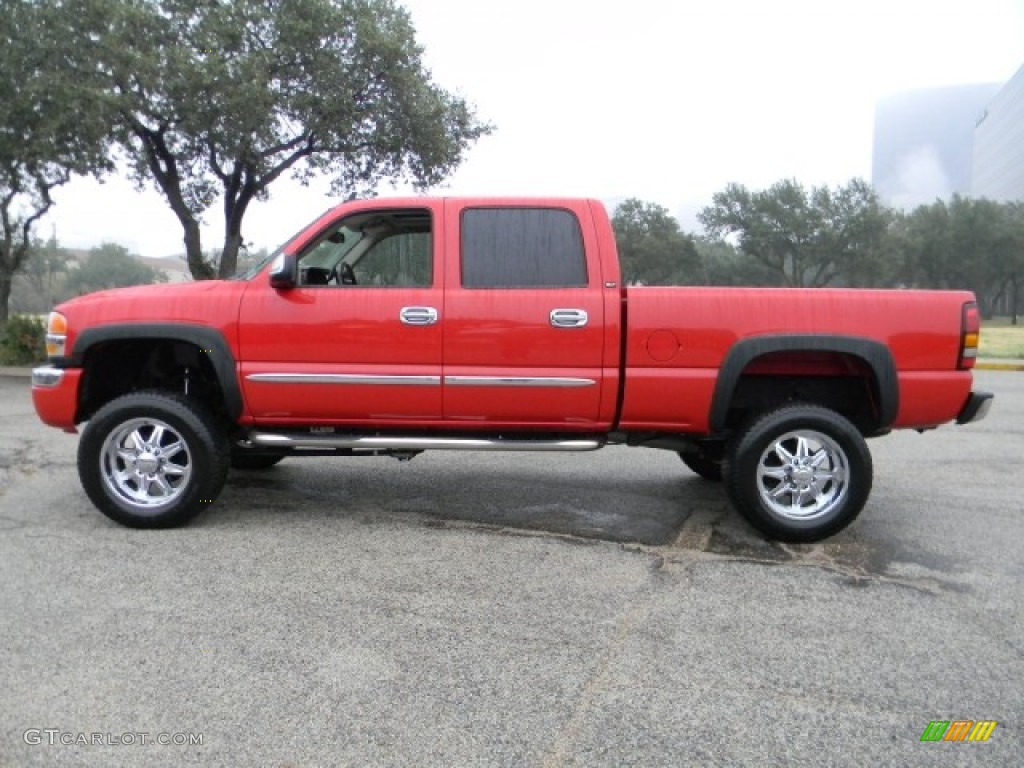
x: 418, y: 315
x: 568, y: 318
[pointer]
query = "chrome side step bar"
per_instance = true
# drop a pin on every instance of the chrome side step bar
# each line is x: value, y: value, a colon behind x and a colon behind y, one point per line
x: 398, y: 443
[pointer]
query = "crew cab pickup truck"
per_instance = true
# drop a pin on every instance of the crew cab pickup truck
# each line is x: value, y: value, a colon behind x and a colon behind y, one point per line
x: 390, y: 327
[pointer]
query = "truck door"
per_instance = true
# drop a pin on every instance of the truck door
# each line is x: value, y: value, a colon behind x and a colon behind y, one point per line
x: 359, y: 339
x: 524, y: 326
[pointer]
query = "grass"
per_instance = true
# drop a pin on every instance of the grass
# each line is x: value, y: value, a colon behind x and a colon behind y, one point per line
x: 1000, y: 339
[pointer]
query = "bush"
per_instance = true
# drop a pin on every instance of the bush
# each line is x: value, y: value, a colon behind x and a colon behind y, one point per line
x: 22, y: 341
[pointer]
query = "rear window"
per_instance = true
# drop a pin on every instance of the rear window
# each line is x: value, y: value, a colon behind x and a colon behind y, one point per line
x: 522, y: 248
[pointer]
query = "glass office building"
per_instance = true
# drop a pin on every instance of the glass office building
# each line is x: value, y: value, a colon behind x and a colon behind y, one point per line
x: 997, y: 170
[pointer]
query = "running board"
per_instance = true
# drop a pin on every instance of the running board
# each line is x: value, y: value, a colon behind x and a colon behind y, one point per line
x: 378, y: 443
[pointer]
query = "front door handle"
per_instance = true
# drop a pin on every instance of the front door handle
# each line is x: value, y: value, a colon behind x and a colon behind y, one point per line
x: 418, y: 315
x: 568, y: 318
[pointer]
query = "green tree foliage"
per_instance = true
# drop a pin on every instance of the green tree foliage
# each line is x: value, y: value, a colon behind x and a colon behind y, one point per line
x: 22, y: 341
x: 50, y: 128
x: 217, y: 100
x: 1013, y: 267
x: 804, y: 238
x: 652, y: 249
x: 975, y: 245
x: 46, y: 263
x: 111, y: 266
x: 724, y: 264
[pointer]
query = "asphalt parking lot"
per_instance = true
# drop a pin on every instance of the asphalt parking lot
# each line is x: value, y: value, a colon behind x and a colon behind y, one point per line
x: 603, y: 609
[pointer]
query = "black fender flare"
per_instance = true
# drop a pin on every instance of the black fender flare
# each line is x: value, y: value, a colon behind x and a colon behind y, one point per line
x: 209, y: 340
x: 874, y: 353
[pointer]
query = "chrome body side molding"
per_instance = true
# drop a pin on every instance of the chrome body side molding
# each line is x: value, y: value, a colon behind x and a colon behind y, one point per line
x: 421, y: 381
x: 517, y: 381
x: 345, y: 378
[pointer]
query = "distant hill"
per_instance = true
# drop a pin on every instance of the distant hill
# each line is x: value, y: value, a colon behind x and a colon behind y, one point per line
x: 173, y: 266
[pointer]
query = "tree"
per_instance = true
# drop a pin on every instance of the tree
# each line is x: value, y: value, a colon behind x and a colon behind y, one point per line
x: 45, y: 261
x: 49, y: 130
x: 652, y: 249
x: 112, y: 266
x: 721, y: 263
x: 975, y: 245
x: 806, y: 239
x: 1014, y: 266
x: 220, y: 99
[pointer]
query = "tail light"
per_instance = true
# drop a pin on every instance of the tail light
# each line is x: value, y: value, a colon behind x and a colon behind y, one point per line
x: 970, y: 331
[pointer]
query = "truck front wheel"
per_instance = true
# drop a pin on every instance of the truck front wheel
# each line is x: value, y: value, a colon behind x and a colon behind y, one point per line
x: 152, y: 459
x: 799, y: 473
x: 709, y: 469
x: 247, y: 458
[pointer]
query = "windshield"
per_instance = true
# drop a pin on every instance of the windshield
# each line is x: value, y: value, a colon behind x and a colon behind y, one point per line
x: 249, y: 272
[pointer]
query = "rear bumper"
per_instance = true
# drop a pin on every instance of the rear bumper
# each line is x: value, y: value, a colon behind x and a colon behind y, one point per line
x: 976, y: 407
x: 55, y: 395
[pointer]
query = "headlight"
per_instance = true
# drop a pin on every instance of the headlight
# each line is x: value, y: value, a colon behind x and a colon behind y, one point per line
x: 56, y: 334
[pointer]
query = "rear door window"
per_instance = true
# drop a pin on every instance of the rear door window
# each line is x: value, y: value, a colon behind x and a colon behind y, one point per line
x: 522, y: 248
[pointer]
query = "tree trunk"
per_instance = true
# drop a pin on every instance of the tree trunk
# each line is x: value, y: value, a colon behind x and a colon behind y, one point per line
x: 987, y: 308
x: 229, y: 256
x: 1013, y: 303
x: 194, y: 252
x: 235, y: 205
x: 5, y: 297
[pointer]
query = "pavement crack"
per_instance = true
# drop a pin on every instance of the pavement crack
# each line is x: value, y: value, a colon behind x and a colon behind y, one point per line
x: 852, y: 575
x: 10, y: 523
x: 696, y: 531
x: 596, y: 683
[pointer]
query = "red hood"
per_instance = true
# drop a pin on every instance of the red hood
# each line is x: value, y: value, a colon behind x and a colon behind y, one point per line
x: 210, y: 303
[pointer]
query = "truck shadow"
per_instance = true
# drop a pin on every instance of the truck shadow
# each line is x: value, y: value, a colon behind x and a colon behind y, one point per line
x: 643, y: 507
x: 660, y: 505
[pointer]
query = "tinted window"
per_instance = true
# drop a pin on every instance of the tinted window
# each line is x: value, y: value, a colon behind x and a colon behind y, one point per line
x: 522, y: 248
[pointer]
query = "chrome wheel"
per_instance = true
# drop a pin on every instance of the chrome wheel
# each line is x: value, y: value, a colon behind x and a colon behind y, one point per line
x: 799, y: 473
x: 803, y: 475
x: 146, y: 463
x: 153, y: 459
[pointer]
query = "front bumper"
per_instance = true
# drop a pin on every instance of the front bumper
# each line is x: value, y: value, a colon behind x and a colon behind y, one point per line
x: 47, y: 377
x: 976, y: 407
x: 55, y: 395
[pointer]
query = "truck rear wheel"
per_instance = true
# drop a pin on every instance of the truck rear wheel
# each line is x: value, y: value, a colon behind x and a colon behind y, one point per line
x: 152, y: 459
x: 799, y: 473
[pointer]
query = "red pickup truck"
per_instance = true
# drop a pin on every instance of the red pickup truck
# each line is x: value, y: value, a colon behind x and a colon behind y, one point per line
x: 390, y: 327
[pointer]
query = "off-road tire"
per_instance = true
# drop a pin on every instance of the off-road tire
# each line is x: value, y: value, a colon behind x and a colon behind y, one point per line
x: 709, y: 469
x: 814, y: 493
x: 152, y: 459
x: 253, y: 459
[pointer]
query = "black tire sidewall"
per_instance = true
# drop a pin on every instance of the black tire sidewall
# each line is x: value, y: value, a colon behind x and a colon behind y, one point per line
x: 248, y: 459
x: 707, y: 469
x: 744, y: 454
x: 208, y: 449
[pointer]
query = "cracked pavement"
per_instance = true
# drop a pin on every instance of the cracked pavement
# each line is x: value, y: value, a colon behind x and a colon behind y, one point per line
x: 603, y: 609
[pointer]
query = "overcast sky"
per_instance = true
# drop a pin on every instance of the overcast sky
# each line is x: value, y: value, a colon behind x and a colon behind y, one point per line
x: 664, y: 100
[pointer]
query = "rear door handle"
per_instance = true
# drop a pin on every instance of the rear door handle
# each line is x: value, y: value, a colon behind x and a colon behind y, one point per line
x: 569, y: 318
x: 418, y: 315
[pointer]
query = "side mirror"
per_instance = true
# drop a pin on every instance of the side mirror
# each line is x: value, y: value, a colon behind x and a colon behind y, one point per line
x: 284, y: 272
